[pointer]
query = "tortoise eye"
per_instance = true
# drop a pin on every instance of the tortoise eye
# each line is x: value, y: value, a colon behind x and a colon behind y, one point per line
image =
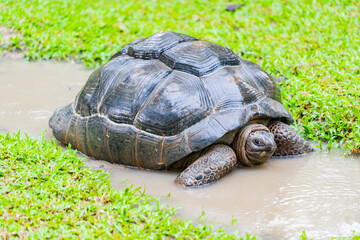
x: 257, y: 142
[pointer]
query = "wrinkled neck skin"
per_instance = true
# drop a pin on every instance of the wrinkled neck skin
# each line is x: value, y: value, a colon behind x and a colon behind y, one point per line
x: 254, y: 145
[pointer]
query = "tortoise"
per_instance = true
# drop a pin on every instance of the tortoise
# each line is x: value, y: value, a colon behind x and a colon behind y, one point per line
x: 171, y: 101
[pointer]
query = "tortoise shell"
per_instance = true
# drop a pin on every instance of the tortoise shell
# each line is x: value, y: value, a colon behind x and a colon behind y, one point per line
x: 164, y: 97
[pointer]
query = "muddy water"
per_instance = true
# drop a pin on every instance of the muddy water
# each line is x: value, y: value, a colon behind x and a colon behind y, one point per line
x: 29, y: 93
x: 319, y: 193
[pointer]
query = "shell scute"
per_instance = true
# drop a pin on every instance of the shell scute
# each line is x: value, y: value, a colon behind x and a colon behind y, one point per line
x: 179, y: 102
x: 152, y: 47
x: 198, y: 57
x: 130, y: 90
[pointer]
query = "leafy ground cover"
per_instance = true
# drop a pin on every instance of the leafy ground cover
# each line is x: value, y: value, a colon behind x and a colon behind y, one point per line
x: 46, y: 193
x: 315, y: 44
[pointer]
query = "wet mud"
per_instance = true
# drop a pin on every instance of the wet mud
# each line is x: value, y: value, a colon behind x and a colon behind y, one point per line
x: 319, y: 193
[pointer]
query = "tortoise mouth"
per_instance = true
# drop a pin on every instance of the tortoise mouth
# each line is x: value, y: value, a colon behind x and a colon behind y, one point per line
x: 258, y: 157
x: 267, y: 147
x: 265, y: 151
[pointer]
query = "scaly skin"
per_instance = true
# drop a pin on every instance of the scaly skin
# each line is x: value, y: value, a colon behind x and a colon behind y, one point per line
x: 215, y: 163
x: 257, y: 147
x: 288, y: 142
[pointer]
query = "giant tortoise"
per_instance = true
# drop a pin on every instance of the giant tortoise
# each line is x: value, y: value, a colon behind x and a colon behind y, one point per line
x: 171, y: 101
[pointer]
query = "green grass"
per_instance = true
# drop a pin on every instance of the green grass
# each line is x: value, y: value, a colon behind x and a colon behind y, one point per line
x: 46, y: 193
x: 315, y: 44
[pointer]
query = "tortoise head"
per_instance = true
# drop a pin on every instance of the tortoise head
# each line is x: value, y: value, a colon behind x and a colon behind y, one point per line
x: 254, y: 145
x: 260, y: 146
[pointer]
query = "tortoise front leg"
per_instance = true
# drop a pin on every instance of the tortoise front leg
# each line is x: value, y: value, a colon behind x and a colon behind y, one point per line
x: 288, y: 142
x: 212, y: 165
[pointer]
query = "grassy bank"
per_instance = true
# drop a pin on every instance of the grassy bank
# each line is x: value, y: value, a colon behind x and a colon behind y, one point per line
x: 46, y: 193
x: 315, y: 44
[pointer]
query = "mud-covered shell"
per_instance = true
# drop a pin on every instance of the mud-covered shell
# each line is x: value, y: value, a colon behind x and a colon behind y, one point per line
x: 164, y: 97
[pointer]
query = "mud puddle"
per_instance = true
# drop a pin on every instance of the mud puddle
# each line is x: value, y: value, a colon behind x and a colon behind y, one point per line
x: 30, y: 92
x: 319, y: 193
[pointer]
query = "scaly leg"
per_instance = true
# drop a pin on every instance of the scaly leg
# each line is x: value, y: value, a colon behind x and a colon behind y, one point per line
x: 212, y: 165
x: 288, y: 141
